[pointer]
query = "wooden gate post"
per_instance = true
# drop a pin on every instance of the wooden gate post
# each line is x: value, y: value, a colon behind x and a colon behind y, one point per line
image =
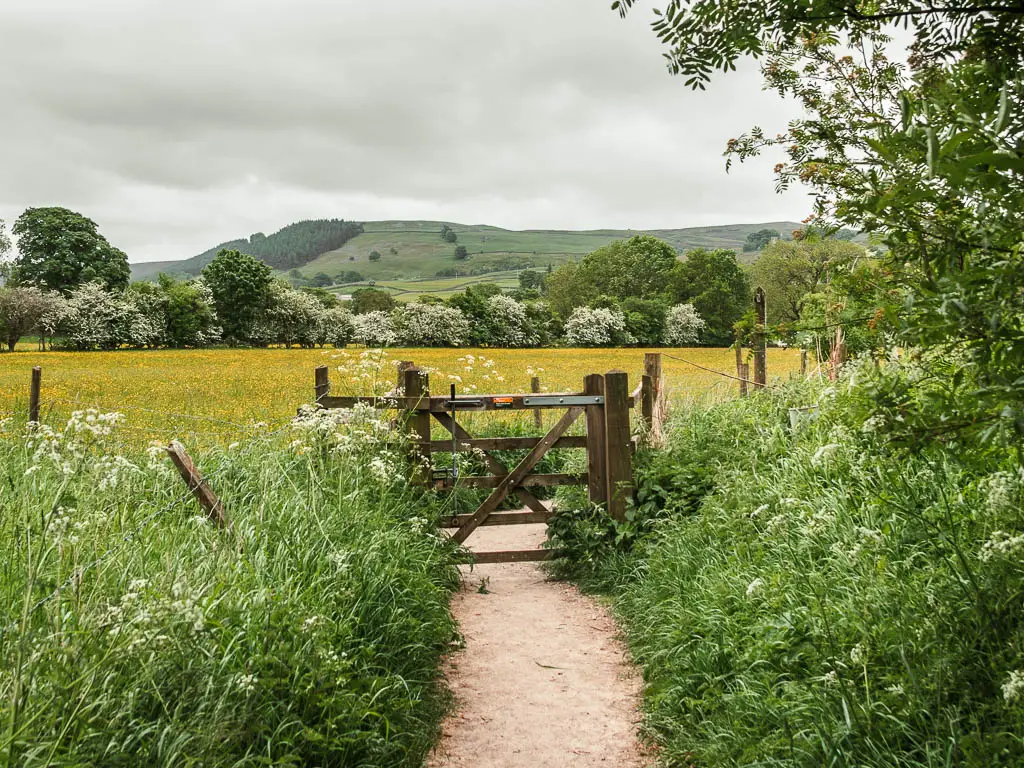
x: 742, y: 369
x: 803, y: 363
x: 417, y: 394
x: 403, y: 366
x: 33, y: 395
x: 647, y: 405
x: 322, y: 383
x: 760, y: 341
x: 597, y: 460
x: 616, y: 424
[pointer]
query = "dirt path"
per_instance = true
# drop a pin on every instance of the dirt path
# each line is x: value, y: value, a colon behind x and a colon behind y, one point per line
x: 543, y: 679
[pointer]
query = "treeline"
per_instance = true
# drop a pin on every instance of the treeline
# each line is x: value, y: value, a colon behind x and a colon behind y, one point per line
x: 291, y: 246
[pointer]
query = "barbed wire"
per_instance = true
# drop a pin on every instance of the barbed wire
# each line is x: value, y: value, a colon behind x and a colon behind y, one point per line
x: 718, y: 373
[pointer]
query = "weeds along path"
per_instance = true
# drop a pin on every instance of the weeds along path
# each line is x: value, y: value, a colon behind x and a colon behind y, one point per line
x: 543, y: 679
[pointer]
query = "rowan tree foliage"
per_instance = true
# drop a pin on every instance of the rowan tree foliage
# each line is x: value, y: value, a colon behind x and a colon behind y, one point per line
x: 60, y: 249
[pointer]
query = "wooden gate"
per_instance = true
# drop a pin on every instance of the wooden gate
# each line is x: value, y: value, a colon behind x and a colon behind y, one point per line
x: 604, y: 403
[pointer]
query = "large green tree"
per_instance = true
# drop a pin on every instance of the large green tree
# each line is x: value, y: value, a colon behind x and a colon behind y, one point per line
x: 240, y: 287
x: 60, y: 249
x: 640, y: 268
x: 790, y: 271
x: 716, y: 286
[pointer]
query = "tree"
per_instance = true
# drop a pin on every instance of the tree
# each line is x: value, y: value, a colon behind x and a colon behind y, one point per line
x: 530, y: 279
x: 60, y: 249
x: 430, y: 325
x: 759, y: 240
x: 5, y: 248
x: 639, y: 267
x: 292, y: 317
x: 683, y: 326
x: 321, y: 280
x: 374, y: 329
x: 704, y: 35
x: 596, y: 328
x: 714, y: 283
x: 474, y: 308
x: 509, y: 323
x: 371, y: 300
x: 21, y: 311
x: 189, y: 318
x: 240, y: 287
x: 461, y: 253
x: 645, y: 320
x: 790, y: 271
x: 374, y: 255
x: 448, y: 234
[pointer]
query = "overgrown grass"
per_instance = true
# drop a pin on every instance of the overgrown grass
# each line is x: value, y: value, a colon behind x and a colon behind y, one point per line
x: 815, y: 597
x: 136, y: 633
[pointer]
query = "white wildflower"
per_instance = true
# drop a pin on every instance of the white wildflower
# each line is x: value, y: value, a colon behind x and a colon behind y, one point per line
x: 754, y: 586
x: 1014, y: 686
x: 1001, y: 545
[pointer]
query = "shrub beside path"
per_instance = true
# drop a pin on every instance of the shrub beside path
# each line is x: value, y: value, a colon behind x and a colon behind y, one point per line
x: 543, y: 679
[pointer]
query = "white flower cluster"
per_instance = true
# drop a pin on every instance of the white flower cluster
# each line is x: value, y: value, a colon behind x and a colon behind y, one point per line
x: 823, y: 454
x: 62, y: 447
x: 1013, y: 688
x: 683, y: 326
x: 430, y: 325
x: 509, y: 323
x: 1002, y: 491
x: 374, y: 329
x: 1001, y: 545
x: 135, y: 618
x: 114, y: 468
x: 755, y: 586
x: 596, y: 328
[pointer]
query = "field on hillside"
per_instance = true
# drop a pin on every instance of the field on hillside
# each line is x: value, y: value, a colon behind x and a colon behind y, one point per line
x: 411, y: 249
x: 222, y: 395
x: 441, y: 288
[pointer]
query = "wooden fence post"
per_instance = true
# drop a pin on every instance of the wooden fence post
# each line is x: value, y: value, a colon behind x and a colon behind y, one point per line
x: 417, y: 394
x: 597, y: 461
x: 803, y: 363
x: 322, y: 382
x: 33, y: 395
x: 402, y: 366
x: 538, y: 417
x: 616, y: 425
x: 647, y: 405
x: 760, y: 341
x: 652, y: 368
x: 742, y: 369
x: 197, y: 485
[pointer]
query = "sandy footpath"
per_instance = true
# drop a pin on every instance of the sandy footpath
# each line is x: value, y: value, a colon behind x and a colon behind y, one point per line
x: 543, y: 679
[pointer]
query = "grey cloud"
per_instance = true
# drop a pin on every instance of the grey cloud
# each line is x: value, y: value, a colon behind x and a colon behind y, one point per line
x: 177, y: 125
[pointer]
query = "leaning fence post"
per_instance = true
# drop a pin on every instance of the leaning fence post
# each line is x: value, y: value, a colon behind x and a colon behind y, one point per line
x: 760, y: 342
x: 417, y: 417
x: 538, y: 417
x: 597, y: 460
x: 322, y: 383
x: 803, y: 363
x: 616, y: 425
x: 33, y: 395
x: 197, y: 485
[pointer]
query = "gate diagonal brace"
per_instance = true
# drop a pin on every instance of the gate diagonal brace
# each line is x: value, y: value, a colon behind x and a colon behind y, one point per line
x: 493, y: 464
x: 513, y: 478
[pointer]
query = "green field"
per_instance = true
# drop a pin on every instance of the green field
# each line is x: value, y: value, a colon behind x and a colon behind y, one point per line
x: 421, y: 253
x: 441, y: 288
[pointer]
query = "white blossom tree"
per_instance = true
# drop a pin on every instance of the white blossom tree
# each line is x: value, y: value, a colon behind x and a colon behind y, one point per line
x: 430, y: 325
x: 374, y: 329
x: 596, y: 328
x: 508, y: 323
x: 21, y: 310
x: 683, y: 326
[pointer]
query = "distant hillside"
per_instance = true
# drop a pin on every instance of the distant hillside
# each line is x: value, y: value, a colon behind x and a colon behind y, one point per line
x: 286, y: 249
x: 415, y: 249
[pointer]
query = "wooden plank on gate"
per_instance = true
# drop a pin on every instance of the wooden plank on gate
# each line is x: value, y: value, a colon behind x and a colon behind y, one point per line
x: 493, y: 464
x: 617, y: 449
x: 487, y: 481
x: 504, y: 444
x: 513, y: 478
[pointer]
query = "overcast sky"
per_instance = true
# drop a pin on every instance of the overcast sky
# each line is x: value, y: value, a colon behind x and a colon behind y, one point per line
x: 178, y: 124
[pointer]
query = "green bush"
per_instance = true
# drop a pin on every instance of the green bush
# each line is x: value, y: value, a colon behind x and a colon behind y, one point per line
x: 818, y: 595
x: 136, y: 633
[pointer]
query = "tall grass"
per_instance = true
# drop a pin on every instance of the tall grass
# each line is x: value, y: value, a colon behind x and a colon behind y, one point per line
x: 136, y: 633
x: 815, y: 597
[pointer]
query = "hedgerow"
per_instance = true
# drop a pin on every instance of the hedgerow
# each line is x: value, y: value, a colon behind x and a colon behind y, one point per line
x: 818, y: 595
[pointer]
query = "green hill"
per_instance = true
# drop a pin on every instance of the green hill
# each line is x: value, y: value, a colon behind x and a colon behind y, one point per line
x: 415, y: 250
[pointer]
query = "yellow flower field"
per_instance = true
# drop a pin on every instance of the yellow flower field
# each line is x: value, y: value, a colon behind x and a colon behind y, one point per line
x: 222, y: 395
